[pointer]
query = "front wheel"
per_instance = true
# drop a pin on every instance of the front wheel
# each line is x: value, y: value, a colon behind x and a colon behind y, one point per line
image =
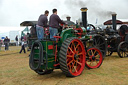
x: 123, y: 49
x: 94, y: 58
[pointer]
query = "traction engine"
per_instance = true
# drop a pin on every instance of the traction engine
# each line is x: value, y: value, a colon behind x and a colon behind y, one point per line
x: 69, y: 52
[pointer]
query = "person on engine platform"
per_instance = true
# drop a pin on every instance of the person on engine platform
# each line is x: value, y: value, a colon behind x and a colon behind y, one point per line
x: 42, y: 23
x: 54, y: 24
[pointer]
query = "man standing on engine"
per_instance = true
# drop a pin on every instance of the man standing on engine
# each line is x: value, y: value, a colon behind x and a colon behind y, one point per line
x: 42, y: 23
x: 54, y: 24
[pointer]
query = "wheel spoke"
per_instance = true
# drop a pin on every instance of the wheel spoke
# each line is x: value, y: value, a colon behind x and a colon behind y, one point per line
x: 70, y: 62
x: 88, y: 53
x: 68, y: 52
x: 87, y: 60
x: 78, y: 59
x: 126, y: 53
x: 73, y: 45
x: 102, y: 50
x: 71, y: 50
x: 70, y: 68
x: 91, y: 63
x: 80, y: 53
x: 92, y: 52
x: 67, y: 59
x: 122, y: 54
x: 73, y: 66
x: 78, y: 62
x: 70, y: 56
x: 97, y: 61
x: 98, y: 40
x: 97, y: 56
x: 95, y: 41
x: 101, y: 44
x: 77, y: 46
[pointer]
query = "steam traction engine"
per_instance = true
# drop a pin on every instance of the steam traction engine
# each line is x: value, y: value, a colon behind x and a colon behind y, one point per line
x: 117, y: 40
x: 69, y: 52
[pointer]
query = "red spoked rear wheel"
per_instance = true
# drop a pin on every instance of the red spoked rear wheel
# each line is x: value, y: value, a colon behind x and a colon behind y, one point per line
x: 94, y: 58
x: 72, y: 57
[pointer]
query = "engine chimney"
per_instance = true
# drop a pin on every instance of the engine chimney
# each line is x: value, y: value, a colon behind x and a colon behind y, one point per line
x: 114, y: 20
x: 84, y: 16
x: 68, y: 18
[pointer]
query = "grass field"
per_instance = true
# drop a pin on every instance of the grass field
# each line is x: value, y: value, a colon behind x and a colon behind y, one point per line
x: 14, y: 70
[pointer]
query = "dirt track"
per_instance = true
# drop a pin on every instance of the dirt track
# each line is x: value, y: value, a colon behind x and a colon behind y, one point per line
x: 14, y: 70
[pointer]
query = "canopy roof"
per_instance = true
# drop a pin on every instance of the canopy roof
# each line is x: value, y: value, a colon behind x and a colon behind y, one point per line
x: 28, y: 23
x: 119, y: 21
x: 109, y: 22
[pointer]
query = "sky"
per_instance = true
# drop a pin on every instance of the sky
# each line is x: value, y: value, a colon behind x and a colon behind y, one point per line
x: 13, y: 12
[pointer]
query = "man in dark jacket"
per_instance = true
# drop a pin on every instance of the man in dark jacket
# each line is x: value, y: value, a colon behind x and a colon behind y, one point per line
x: 0, y: 44
x: 54, y: 24
x: 22, y: 46
x: 6, y: 43
x: 42, y: 22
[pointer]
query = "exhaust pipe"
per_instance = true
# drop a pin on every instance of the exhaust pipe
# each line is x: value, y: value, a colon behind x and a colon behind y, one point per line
x: 84, y: 16
x: 68, y: 18
x: 114, y: 21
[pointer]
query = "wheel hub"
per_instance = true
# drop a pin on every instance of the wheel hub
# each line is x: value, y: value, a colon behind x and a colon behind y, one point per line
x: 75, y: 56
x: 93, y: 58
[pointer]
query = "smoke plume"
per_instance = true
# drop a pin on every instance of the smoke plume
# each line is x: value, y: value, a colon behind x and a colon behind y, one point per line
x: 13, y: 12
x: 97, y: 9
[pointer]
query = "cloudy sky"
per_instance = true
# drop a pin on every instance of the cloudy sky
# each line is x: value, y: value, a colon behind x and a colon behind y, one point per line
x: 13, y: 12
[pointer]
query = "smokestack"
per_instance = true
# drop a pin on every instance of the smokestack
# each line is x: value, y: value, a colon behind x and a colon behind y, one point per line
x: 114, y: 20
x: 84, y: 16
x: 68, y: 18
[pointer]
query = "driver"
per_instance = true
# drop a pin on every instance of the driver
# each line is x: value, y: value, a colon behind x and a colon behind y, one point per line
x: 54, y: 24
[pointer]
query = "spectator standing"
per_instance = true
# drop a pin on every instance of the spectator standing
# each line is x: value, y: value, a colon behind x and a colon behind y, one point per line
x: 22, y: 46
x: 6, y: 43
x: 0, y: 44
x: 22, y: 37
x: 16, y: 40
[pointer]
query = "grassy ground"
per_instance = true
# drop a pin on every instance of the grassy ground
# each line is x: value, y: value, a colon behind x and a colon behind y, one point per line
x: 14, y: 70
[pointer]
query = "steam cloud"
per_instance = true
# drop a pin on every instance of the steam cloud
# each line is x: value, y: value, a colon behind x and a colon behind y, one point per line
x: 13, y: 12
x: 98, y: 9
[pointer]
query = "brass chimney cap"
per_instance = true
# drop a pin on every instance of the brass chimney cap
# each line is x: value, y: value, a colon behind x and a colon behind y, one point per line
x: 84, y: 9
x: 114, y: 14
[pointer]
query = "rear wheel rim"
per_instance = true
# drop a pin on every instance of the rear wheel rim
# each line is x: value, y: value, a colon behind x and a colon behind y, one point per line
x: 94, y: 58
x: 75, y: 57
x: 123, y: 50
